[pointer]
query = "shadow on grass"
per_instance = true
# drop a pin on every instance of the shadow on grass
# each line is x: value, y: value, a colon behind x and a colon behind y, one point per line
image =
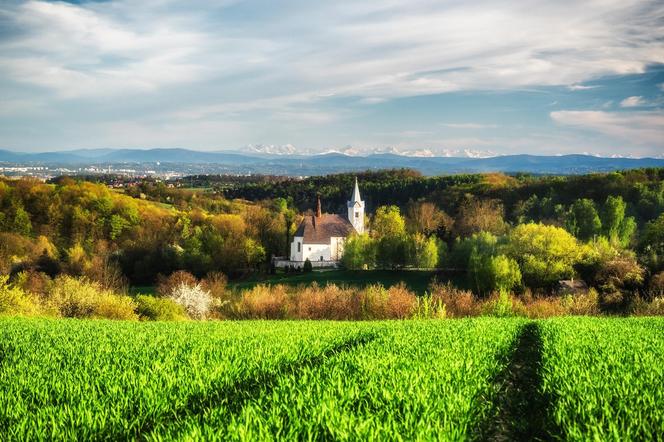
x: 522, y: 409
x: 233, y: 397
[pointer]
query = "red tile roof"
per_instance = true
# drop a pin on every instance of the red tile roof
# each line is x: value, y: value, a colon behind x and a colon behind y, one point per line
x: 319, y: 230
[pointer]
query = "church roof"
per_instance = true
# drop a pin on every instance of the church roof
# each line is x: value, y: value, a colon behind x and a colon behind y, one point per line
x: 319, y: 229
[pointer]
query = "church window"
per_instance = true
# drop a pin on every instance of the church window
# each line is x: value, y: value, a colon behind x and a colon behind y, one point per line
x: 299, y: 245
x: 321, y: 258
x: 357, y: 214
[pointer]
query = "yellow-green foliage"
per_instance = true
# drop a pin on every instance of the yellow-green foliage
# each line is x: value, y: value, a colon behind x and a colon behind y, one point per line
x: 159, y: 309
x: 80, y: 298
x: 15, y: 301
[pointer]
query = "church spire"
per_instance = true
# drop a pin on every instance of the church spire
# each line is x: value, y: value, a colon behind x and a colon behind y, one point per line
x: 356, y: 193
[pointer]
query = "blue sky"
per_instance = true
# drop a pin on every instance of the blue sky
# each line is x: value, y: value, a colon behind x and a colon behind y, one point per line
x: 419, y: 76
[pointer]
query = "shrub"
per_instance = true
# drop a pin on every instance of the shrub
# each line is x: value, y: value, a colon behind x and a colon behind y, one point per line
x: 458, y: 303
x: 166, y: 285
x: 400, y: 302
x: 159, y: 309
x: 15, y: 301
x: 329, y: 302
x: 502, y: 305
x: 264, y: 302
x: 428, y: 307
x: 307, y: 266
x: 583, y: 304
x: 373, y: 304
x: 641, y: 307
x: 656, y: 287
x: 216, y: 283
x: 81, y: 298
x: 195, y: 300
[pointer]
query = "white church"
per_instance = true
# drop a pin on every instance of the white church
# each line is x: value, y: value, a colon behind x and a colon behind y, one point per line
x: 321, y: 237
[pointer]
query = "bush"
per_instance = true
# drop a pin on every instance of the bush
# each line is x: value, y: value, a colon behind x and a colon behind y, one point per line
x: 216, y: 283
x: 195, y: 300
x: 307, y: 266
x: 15, y: 301
x: 458, y: 303
x: 166, y: 285
x: 264, y: 302
x: 656, y: 288
x: 401, y: 302
x: 159, y: 309
x: 81, y: 298
x: 329, y: 302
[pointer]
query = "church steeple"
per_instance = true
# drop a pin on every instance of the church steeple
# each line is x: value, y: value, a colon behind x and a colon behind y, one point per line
x: 356, y: 209
x: 356, y: 192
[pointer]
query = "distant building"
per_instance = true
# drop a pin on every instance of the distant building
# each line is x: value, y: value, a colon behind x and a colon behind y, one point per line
x: 321, y: 237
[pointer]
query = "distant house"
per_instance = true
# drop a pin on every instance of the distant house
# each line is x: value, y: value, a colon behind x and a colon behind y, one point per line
x: 321, y: 237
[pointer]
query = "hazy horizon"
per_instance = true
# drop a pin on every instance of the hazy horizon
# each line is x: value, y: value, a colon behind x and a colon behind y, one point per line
x: 421, y: 77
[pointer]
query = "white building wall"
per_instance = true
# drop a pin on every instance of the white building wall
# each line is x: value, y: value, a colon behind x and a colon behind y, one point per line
x: 330, y: 252
x: 315, y: 251
x: 296, y: 255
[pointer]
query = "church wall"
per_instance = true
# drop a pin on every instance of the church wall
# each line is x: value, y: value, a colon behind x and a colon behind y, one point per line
x: 294, y: 254
x: 315, y: 251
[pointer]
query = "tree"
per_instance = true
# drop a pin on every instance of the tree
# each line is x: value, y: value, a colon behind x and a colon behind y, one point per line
x: 359, y: 252
x: 652, y: 244
x: 478, y: 215
x: 484, y: 243
x: 307, y: 267
x: 546, y: 254
x: 583, y: 220
x: 389, y: 228
x: 21, y: 224
x: 388, y: 222
x: 426, y: 218
x: 423, y: 251
x: 618, y: 228
x: 504, y: 273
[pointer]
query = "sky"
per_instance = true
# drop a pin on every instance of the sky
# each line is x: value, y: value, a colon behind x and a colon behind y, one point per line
x: 416, y: 76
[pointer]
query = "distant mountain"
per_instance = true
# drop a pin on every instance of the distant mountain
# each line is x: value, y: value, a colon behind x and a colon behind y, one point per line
x: 267, y: 161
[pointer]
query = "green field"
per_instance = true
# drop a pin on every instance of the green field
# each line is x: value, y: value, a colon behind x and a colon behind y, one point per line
x: 481, y: 378
x: 417, y: 281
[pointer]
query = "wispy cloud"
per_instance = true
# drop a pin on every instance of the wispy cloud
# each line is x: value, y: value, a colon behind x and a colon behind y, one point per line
x: 472, y: 126
x: 235, y: 70
x: 634, y: 101
x: 640, y: 128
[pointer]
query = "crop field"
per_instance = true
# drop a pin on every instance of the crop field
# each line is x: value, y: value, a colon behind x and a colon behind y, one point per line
x: 482, y: 378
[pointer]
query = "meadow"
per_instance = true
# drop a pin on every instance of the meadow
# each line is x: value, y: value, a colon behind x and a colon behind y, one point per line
x: 477, y: 378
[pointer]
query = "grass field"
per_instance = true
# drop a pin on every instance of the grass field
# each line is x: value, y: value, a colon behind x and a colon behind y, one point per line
x: 482, y: 378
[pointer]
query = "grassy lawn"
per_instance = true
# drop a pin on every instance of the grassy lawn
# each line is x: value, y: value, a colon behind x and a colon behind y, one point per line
x: 418, y: 281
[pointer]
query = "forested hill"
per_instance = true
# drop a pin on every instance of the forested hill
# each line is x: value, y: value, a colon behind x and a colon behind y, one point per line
x: 522, y: 196
x: 296, y: 165
x: 235, y: 224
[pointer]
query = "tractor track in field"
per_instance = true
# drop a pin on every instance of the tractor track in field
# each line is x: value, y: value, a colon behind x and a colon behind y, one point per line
x: 236, y: 395
x: 522, y: 408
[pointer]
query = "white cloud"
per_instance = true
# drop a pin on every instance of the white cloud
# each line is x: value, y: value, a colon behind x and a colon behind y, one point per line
x: 645, y: 128
x: 580, y: 87
x: 376, y: 51
x: 470, y: 126
x: 634, y: 101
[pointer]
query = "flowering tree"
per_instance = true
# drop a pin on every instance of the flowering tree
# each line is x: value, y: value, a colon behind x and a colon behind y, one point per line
x: 194, y: 299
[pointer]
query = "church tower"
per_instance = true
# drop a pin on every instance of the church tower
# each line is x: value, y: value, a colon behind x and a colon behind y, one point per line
x: 356, y: 210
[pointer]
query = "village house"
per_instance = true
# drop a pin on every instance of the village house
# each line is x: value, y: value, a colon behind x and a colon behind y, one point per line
x: 320, y: 238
